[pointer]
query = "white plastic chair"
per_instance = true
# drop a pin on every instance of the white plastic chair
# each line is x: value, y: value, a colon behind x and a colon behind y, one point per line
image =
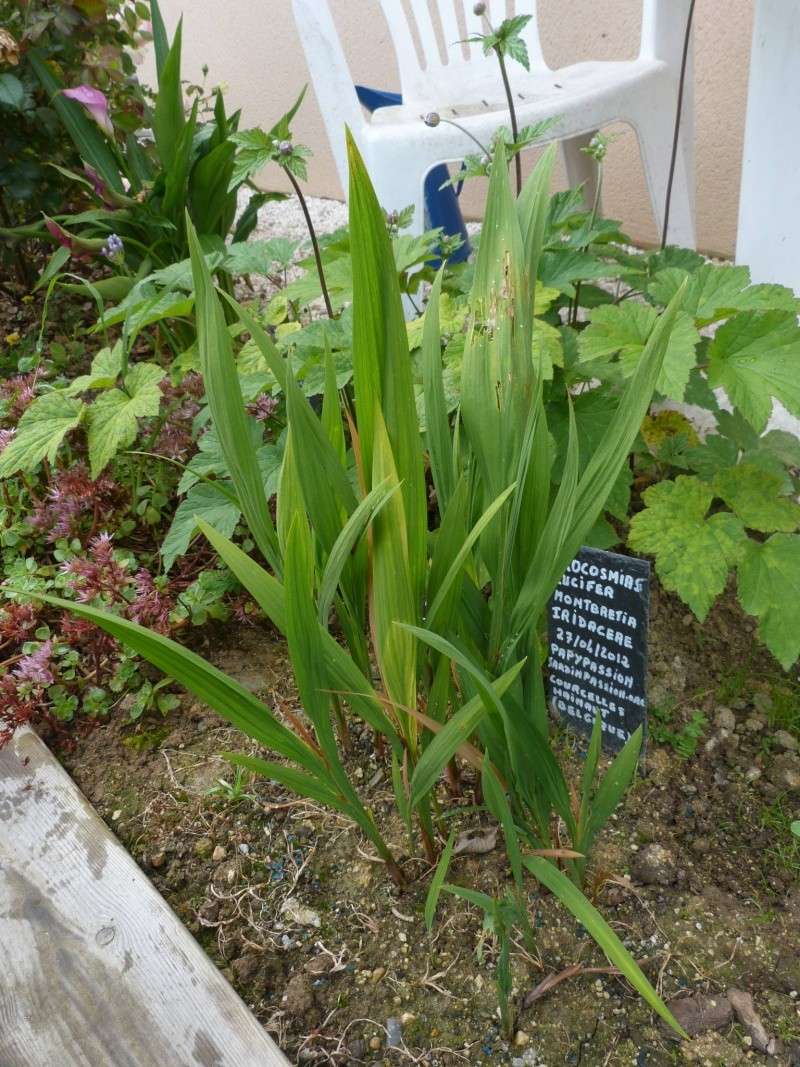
x: 460, y: 83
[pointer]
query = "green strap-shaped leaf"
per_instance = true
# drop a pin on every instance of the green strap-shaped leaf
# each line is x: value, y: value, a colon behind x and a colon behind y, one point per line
x: 208, y: 186
x: 303, y: 785
x: 543, y: 571
x: 309, y: 663
x: 437, y: 882
x: 586, y: 914
x: 310, y: 430
x: 382, y: 377
x: 437, y: 434
x: 177, y: 177
x: 168, y: 114
x: 497, y: 803
x: 227, y: 406
x: 533, y: 205
x: 231, y: 700
x: 392, y: 587
x: 160, y: 39
x: 351, y: 533
x: 458, y: 729
x: 270, y: 596
x: 458, y: 562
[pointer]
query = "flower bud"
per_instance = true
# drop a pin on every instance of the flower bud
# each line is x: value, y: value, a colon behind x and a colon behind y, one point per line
x: 432, y: 118
x: 285, y: 148
x: 479, y: 9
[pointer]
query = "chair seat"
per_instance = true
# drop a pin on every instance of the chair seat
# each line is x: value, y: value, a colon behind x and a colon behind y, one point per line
x: 540, y: 92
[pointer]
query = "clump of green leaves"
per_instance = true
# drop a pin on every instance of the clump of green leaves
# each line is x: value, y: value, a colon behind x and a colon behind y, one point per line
x: 447, y: 607
x: 137, y: 190
x: 123, y: 396
x: 730, y: 507
x: 90, y: 43
x: 684, y: 738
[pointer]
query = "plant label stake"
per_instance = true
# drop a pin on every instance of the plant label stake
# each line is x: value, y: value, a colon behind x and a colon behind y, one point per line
x: 598, y: 618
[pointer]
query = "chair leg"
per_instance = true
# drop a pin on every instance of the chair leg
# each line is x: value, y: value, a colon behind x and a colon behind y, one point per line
x: 581, y: 168
x: 396, y: 188
x: 655, y: 133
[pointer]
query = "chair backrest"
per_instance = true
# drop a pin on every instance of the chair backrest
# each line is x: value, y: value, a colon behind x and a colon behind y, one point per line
x: 443, y: 68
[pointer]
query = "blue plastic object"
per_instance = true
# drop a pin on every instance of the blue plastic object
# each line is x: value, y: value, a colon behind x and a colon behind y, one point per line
x: 441, y: 205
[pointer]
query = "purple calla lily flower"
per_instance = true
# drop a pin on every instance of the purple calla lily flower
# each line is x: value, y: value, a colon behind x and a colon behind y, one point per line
x: 59, y: 233
x: 95, y: 103
x: 99, y: 186
x: 110, y: 197
x: 81, y: 248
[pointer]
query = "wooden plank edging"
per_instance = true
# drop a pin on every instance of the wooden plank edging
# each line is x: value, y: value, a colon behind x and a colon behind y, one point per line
x: 96, y: 970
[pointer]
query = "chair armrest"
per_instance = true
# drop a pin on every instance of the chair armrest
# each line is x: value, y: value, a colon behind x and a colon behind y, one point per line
x: 330, y: 75
x: 664, y: 29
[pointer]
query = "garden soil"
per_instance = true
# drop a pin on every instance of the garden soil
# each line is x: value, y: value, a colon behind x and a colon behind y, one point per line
x: 698, y: 873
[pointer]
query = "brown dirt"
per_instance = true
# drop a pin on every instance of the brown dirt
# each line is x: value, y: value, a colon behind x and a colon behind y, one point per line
x: 728, y: 913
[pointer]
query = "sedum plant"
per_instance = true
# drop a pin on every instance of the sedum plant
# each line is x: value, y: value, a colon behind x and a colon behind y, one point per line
x: 410, y: 572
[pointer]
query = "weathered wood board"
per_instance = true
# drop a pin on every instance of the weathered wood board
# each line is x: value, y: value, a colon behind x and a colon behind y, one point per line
x: 95, y: 968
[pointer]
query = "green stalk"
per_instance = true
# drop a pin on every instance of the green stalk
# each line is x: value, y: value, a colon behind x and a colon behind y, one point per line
x: 314, y: 242
x: 512, y: 111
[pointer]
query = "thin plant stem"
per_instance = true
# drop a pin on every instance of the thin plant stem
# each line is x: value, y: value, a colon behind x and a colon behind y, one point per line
x: 678, y: 111
x: 592, y: 220
x: 464, y: 130
x: 314, y: 242
x: 512, y: 111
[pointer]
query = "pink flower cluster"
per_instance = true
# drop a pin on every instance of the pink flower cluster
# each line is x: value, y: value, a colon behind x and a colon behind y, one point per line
x: 263, y: 407
x: 98, y: 574
x: 74, y: 497
x: 18, y: 392
x: 176, y: 439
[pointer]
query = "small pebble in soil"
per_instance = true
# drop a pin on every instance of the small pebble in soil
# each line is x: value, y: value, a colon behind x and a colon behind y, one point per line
x: 654, y: 865
x: 203, y: 848
x: 783, y: 739
x: 754, y: 724
x: 375, y: 1043
x: 158, y: 859
x: 394, y: 1032
x: 218, y: 854
x: 725, y: 719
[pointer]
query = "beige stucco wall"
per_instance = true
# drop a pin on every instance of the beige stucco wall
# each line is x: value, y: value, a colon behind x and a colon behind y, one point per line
x: 253, y: 47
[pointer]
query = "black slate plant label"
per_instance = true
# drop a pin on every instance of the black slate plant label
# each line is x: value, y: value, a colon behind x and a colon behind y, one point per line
x: 598, y: 620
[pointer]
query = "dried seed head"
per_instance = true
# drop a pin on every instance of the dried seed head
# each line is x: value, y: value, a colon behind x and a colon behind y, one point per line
x: 432, y: 118
x: 479, y: 9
